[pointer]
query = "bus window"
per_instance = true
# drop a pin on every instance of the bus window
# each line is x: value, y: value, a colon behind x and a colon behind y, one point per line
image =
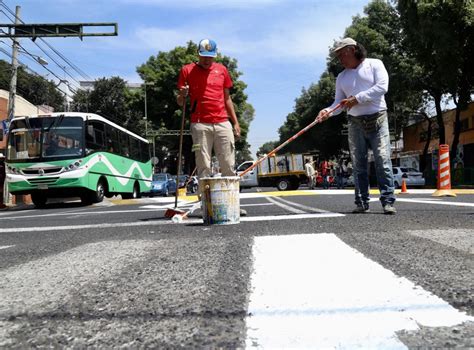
x: 124, y: 145
x: 113, y: 145
x: 134, y: 148
x: 95, y: 136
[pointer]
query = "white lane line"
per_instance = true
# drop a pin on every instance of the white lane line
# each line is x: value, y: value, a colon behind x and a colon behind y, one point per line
x: 301, y: 206
x: 167, y: 222
x: 79, y: 213
x: 189, y: 205
x: 5, y: 246
x: 284, y: 206
x: 435, y: 201
x: 290, y: 217
x: 314, y: 291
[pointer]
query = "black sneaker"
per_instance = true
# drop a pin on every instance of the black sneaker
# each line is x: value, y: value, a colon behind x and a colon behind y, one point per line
x: 389, y: 209
x: 361, y: 209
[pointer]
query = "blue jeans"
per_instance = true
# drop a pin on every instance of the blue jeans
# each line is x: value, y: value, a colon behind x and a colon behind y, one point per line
x: 377, y: 139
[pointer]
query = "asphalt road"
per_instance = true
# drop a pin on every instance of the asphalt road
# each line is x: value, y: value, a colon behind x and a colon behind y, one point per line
x: 300, y: 271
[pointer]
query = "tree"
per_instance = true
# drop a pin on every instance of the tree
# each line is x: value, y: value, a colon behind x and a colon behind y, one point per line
x: 267, y: 147
x: 439, y: 35
x: 164, y: 113
x: 34, y: 88
x: 112, y: 99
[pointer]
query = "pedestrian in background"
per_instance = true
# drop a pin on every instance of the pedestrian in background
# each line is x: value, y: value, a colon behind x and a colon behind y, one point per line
x: 325, y: 171
x: 310, y: 173
x: 360, y: 89
x: 208, y: 84
x: 2, y: 179
x: 341, y: 171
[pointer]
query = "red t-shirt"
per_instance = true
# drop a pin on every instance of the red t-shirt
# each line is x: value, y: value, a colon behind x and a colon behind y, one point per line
x: 206, y: 91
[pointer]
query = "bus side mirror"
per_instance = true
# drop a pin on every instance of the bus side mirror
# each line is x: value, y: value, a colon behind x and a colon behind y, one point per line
x: 90, y: 130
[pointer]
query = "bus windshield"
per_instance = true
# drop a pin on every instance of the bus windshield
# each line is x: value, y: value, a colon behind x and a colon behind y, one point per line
x: 46, y: 138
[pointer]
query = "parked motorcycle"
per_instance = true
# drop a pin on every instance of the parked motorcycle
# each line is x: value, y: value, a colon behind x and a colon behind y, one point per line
x: 192, y: 186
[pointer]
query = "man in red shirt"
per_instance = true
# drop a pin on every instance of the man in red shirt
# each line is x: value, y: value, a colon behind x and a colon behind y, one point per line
x: 208, y: 84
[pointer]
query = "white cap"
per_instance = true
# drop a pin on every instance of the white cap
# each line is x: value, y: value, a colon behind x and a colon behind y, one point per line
x: 1, y: 155
x: 338, y: 45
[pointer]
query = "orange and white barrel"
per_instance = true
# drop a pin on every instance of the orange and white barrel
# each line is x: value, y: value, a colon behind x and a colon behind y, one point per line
x: 444, y: 173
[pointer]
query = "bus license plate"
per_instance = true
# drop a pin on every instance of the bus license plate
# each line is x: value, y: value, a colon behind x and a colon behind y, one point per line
x: 42, y: 187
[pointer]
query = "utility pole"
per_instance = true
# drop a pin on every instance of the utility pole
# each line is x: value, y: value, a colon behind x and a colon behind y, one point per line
x: 7, y: 198
x: 12, y: 94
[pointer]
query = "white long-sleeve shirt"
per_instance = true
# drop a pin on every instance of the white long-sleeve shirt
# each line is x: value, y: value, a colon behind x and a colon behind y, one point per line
x: 368, y: 83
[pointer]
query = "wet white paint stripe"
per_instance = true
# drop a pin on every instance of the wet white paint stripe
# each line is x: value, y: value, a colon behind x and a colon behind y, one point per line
x: 88, y: 213
x: 301, y: 206
x: 5, y: 246
x: 290, y: 217
x: 187, y: 206
x: 435, y: 201
x: 166, y: 222
x: 314, y: 291
x: 285, y: 206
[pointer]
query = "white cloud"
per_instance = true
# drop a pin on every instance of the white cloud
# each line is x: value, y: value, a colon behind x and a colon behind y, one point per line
x: 307, y: 34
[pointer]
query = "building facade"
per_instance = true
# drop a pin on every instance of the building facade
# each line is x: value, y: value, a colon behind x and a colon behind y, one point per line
x: 415, y: 138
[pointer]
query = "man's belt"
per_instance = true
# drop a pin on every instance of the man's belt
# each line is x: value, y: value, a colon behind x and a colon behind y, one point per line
x: 368, y: 121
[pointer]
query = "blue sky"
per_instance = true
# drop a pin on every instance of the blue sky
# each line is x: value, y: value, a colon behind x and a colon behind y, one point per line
x: 281, y: 45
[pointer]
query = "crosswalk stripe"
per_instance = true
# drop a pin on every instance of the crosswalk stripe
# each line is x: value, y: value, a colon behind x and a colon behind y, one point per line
x: 314, y: 291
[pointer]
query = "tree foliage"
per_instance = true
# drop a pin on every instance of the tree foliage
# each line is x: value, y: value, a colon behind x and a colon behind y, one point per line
x: 266, y: 148
x: 112, y: 99
x: 439, y: 34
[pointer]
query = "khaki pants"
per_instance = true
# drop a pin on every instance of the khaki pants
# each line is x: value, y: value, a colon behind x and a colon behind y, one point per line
x: 219, y: 137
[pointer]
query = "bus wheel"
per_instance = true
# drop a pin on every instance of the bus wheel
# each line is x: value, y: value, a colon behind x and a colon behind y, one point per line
x: 39, y: 200
x: 96, y: 196
x: 283, y: 185
x: 136, y: 191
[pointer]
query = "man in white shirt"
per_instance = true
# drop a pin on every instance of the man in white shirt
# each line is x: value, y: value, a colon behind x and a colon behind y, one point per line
x: 360, y: 89
x: 310, y: 173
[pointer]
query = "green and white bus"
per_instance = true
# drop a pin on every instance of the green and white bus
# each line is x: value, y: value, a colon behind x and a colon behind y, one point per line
x: 75, y: 155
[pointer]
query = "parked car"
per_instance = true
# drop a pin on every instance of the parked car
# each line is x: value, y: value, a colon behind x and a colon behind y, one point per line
x: 411, y: 176
x: 162, y: 184
x: 182, y: 179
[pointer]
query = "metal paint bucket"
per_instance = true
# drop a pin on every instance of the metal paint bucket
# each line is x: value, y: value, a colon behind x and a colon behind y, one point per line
x: 220, y: 200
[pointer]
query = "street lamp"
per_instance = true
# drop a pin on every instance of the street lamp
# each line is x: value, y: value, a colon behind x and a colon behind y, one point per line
x: 146, y: 123
x: 146, y: 109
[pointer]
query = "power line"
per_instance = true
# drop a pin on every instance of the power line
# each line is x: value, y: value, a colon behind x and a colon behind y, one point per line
x: 34, y: 72
x: 64, y: 58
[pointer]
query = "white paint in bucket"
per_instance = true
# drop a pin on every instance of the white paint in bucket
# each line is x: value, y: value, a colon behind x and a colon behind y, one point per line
x: 220, y: 200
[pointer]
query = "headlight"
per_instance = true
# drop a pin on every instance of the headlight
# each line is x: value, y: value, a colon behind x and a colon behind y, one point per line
x: 12, y: 170
x: 73, y: 166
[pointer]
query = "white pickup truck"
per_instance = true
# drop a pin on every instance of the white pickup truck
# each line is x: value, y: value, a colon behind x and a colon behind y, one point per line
x: 284, y: 172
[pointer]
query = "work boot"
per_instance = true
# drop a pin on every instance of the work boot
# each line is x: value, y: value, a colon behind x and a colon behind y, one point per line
x: 389, y: 209
x: 361, y: 209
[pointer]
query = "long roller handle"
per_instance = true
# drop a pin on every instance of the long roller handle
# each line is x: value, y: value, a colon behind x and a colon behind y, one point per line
x: 298, y: 134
